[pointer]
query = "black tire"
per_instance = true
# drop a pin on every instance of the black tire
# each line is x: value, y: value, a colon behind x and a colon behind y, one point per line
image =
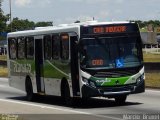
x: 69, y: 101
x: 30, y: 96
x: 120, y: 100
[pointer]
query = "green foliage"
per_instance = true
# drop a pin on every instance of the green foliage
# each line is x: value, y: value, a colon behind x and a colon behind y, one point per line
x: 0, y: 6
x: 143, y: 24
x: 3, y: 22
x: 19, y: 24
x: 3, y: 19
x: 43, y: 24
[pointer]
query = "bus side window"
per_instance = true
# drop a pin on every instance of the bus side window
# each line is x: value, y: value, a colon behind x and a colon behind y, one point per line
x: 55, y: 47
x: 12, y: 48
x: 64, y: 47
x: 47, y: 47
x: 21, y: 48
x: 30, y: 47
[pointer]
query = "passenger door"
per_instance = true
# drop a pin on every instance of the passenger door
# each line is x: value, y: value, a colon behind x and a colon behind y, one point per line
x: 39, y: 64
x: 74, y: 64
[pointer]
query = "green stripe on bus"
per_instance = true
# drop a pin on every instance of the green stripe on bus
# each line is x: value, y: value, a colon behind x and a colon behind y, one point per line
x: 110, y: 81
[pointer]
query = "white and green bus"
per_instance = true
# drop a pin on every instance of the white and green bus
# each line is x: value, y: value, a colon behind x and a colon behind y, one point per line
x: 80, y: 60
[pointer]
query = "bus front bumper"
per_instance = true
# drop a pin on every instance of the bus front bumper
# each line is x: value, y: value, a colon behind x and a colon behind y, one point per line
x: 88, y: 91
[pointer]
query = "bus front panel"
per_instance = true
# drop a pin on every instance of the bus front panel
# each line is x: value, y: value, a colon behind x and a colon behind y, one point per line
x: 111, y: 61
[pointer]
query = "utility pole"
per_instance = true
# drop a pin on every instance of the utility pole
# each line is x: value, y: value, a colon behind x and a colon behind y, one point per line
x: 10, y: 6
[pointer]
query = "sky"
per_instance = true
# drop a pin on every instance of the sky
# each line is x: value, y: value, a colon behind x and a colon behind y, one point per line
x: 69, y: 11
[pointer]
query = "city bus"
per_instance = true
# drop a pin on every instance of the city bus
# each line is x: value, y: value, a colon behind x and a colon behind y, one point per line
x: 80, y: 60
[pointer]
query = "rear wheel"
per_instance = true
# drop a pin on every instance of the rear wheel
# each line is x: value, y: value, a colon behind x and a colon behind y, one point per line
x: 29, y: 90
x: 120, y: 100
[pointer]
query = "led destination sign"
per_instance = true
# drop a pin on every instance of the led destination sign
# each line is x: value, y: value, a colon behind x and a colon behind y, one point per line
x: 111, y: 29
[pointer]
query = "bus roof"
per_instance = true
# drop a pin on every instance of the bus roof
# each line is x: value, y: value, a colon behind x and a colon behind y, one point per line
x: 42, y: 31
x: 74, y: 27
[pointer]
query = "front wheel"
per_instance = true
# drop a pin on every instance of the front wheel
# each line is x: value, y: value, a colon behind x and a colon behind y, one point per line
x: 120, y: 100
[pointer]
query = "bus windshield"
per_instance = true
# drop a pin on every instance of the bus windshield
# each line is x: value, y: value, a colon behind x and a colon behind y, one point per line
x: 110, y: 53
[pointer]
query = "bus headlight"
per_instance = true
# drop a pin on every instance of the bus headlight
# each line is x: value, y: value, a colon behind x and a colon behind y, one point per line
x: 141, y: 78
x: 85, y: 80
x: 92, y: 84
x: 88, y: 82
x: 138, y: 80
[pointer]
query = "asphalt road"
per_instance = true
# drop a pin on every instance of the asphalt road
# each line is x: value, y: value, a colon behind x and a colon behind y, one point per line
x: 140, y: 106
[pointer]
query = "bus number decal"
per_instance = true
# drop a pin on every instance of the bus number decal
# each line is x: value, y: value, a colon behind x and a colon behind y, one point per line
x: 97, y: 62
x: 22, y: 68
x: 98, y: 30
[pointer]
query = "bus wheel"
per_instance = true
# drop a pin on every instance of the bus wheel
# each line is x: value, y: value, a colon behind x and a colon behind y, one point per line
x: 29, y: 90
x: 67, y: 97
x: 120, y: 100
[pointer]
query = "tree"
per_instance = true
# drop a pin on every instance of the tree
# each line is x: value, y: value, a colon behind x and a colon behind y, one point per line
x: 25, y: 24
x: 2, y: 18
x: 20, y: 24
x: 3, y: 21
x: 0, y: 6
x: 143, y: 24
x: 43, y: 24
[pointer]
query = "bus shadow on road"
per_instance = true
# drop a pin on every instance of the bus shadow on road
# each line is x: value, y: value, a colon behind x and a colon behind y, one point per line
x: 79, y: 103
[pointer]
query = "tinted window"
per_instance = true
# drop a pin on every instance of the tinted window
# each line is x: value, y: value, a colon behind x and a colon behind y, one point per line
x: 56, y: 46
x: 30, y: 47
x: 21, y: 48
x: 47, y: 47
x: 12, y: 48
x: 110, y: 53
x: 65, y: 47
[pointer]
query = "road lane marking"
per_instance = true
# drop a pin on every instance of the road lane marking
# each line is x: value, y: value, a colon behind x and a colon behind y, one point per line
x: 41, y: 106
x: 60, y: 109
